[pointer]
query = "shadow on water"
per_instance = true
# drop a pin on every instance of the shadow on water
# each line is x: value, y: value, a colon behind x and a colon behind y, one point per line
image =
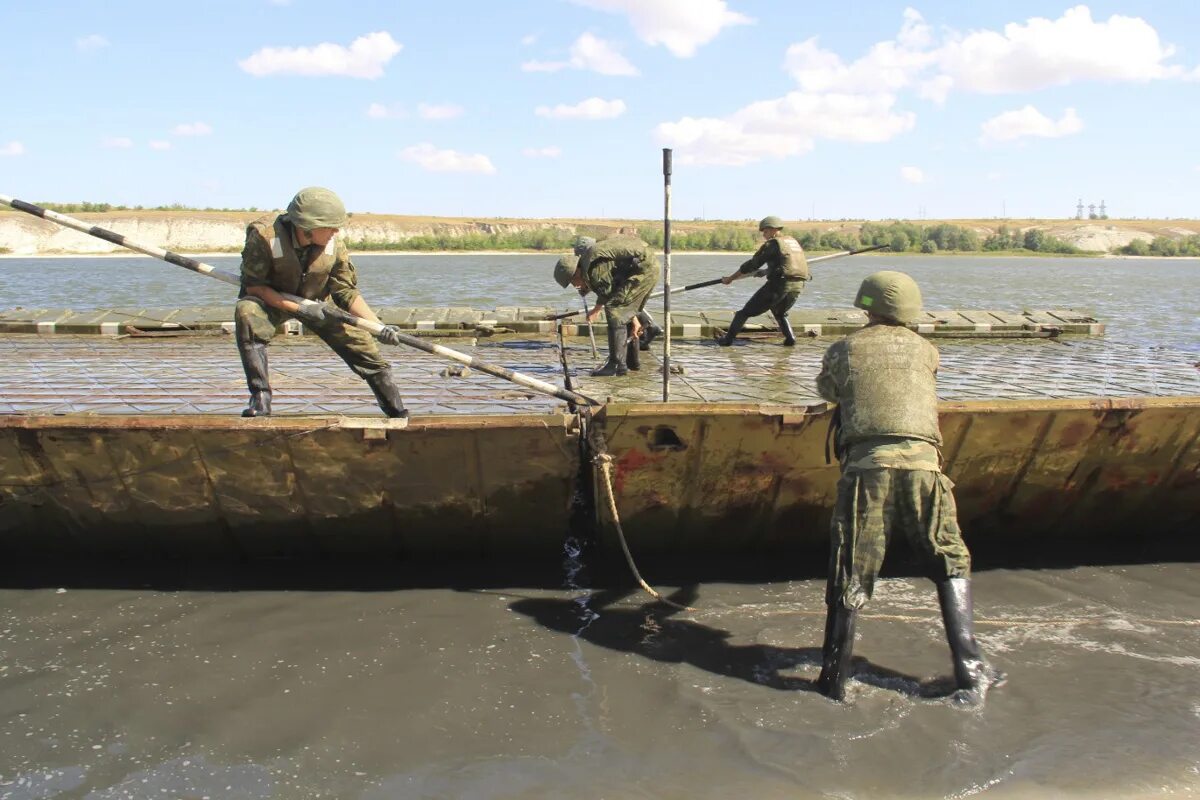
x: 652, y: 631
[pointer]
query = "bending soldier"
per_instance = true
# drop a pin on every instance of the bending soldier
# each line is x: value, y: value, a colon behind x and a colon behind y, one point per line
x: 883, y: 378
x: 299, y: 253
x: 787, y: 270
x: 622, y: 272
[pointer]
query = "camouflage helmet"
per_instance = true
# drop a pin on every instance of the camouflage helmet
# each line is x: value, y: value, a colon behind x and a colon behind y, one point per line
x: 582, y: 243
x: 316, y: 207
x: 890, y: 294
x: 770, y: 222
x: 564, y: 270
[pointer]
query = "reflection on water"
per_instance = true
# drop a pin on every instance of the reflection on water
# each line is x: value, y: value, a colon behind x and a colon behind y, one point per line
x: 245, y: 688
x: 1143, y: 300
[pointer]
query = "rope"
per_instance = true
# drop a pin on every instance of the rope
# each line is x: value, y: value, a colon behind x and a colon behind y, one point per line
x: 604, y: 461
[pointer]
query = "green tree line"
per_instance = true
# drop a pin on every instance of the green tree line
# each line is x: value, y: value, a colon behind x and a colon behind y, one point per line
x: 1162, y: 246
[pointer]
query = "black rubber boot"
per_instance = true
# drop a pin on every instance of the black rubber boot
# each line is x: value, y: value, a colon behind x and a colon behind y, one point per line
x: 972, y: 674
x: 633, y: 356
x: 836, y: 651
x: 735, y: 327
x: 387, y: 395
x: 650, y: 332
x: 785, y: 327
x: 254, y: 362
x: 618, y: 337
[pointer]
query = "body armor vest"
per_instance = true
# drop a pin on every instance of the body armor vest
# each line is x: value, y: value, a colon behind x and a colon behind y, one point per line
x: 890, y: 386
x: 287, y: 273
x: 792, y: 265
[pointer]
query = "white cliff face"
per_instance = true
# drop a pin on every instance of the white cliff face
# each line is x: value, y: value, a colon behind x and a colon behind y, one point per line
x: 21, y: 234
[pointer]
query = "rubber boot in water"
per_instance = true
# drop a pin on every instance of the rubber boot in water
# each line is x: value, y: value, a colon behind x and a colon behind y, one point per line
x: 972, y: 673
x: 650, y: 332
x: 618, y: 336
x: 836, y: 651
x: 785, y: 327
x: 387, y: 395
x: 735, y: 327
x: 254, y: 362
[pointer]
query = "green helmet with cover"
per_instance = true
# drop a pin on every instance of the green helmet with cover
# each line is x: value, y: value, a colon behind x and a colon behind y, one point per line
x: 770, y: 222
x: 565, y: 269
x: 582, y: 243
x: 890, y: 294
x: 316, y: 207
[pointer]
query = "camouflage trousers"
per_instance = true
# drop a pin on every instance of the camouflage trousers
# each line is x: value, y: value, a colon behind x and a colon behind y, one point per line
x: 872, y: 504
x: 776, y: 297
x: 257, y: 322
x: 634, y: 294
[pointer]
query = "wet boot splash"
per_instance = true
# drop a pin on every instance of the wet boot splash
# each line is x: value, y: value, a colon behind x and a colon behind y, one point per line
x: 836, y: 651
x: 618, y: 338
x: 973, y: 675
x: 735, y: 327
x: 387, y: 394
x: 254, y: 362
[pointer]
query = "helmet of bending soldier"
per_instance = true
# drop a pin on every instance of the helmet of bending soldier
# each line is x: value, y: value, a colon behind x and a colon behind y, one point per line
x: 770, y: 222
x: 316, y: 207
x: 890, y: 294
x: 565, y: 269
x: 582, y: 244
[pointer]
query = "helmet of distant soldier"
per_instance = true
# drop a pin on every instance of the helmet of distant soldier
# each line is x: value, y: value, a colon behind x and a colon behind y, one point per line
x: 890, y: 294
x: 316, y: 207
x: 582, y: 244
x: 770, y: 222
x: 564, y: 270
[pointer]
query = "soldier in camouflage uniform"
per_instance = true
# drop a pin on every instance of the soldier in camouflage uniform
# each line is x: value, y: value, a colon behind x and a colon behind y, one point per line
x: 883, y: 378
x: 787, y: 270
x: 622, y: 272
x: 299, y: 253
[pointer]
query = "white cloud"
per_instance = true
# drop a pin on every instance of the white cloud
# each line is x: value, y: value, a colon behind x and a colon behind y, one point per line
x: 447, y: 111
x: 435, y: 160
x: 90, y: 43
x: 887, y: 66
x: 380, y: 111
x: 588, y: 53
x: 192, y: 129
x: 1045, y: 52
x: 912, y: 174
x: 117, y: 143
x: 529, y: 39
x: 159, y: 144
x: 784, y: 127
x: 1026, y: 122
x: 592, y: 108
x: 13, y: 148
x: 552, y: 151
x: 364, y: 58
x: 681, y: 26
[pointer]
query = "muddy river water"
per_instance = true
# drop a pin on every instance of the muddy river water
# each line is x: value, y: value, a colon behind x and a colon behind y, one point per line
x: 497, y: 681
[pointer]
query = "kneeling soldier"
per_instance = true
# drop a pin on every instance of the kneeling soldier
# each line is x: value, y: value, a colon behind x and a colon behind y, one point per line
x: 299, y: 253
x: 883, y: 378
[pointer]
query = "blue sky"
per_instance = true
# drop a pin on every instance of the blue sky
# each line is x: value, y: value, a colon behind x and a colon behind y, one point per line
x: 560, y: 108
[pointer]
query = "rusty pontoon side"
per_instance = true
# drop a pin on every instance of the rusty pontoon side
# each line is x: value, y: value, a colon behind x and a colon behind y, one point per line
x: 689, y: 479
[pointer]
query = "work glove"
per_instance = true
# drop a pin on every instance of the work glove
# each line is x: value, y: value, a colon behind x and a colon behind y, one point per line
x: 389, y: 335
x: 312, y: 314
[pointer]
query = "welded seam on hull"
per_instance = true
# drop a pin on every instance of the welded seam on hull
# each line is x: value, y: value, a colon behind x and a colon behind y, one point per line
x: 222, y: 522
x: 1019, y: 478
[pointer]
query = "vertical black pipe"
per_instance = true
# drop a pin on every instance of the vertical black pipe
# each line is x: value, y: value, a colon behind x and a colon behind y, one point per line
x: 666, y: 274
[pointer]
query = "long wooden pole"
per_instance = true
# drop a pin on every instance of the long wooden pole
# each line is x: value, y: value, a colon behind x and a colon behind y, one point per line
x: 666, y: 368
x: 369, y: 326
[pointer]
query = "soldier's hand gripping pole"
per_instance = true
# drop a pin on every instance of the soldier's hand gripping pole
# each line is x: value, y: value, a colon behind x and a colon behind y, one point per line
x: 373, y: 328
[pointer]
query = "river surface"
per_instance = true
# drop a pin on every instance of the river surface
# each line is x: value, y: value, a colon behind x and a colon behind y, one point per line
x: 375, y: 682
x: 1142, y: 301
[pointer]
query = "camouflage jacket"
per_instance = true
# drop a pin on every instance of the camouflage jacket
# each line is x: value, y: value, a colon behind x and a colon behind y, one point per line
x: 783, y: 257
x: 610, y: 265
x: 272, y: 257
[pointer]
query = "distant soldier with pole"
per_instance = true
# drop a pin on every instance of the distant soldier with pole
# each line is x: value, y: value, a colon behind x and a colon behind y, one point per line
x: 622, y: 272
x: 787, y: 271
x: 299, y: 253
x: 884, y: 380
